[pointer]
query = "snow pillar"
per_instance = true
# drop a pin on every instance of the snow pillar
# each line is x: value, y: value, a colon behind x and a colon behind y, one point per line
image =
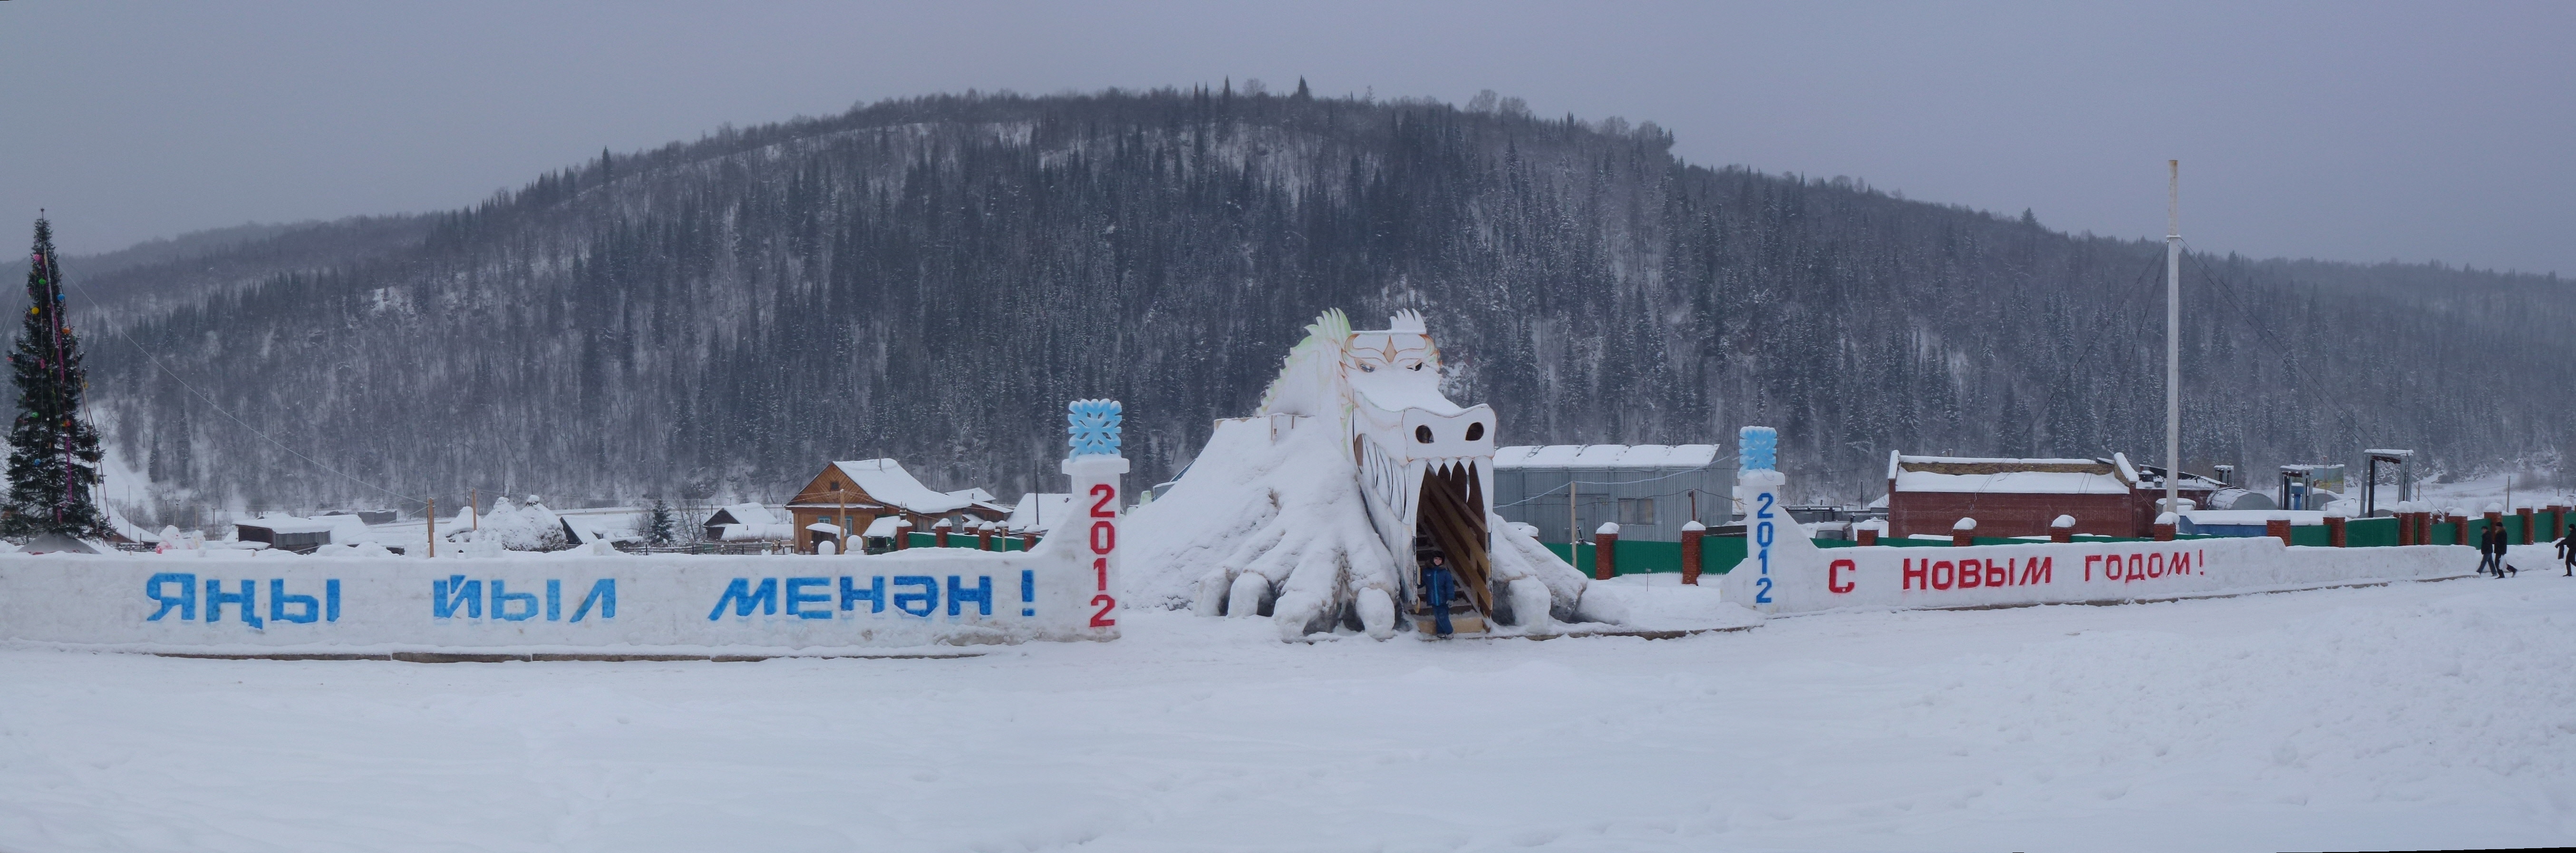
x: 1692, y: 533
x: 2278, y: 527
x: 1095, y: 465
x: 1605, y: 549
x: 1770, y: 533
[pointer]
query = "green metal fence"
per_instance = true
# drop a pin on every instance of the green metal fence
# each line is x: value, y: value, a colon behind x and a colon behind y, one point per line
x: 964, y: 540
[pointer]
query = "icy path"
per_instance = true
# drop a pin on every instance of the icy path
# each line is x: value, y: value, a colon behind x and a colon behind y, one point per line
x: 2420, y: 715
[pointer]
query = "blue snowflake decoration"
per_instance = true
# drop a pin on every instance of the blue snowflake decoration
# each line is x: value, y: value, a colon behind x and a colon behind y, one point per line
x: 1093, y: 427
x: 1757, y: 448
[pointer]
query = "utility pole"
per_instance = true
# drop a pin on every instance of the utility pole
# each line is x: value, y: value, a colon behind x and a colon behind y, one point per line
x: 473, y: 508
x: 1573, y: 528
x: 2173, y: 337
x: 433, y: 527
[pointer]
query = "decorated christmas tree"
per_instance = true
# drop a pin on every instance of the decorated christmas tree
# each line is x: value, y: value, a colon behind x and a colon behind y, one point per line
x: 53, y: 453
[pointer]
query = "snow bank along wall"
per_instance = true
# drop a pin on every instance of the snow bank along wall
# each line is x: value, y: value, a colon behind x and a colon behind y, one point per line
x: 1784, y: 571
x: 244, y: 602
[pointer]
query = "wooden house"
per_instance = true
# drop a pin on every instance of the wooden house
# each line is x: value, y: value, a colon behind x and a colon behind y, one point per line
x: 852, y: 495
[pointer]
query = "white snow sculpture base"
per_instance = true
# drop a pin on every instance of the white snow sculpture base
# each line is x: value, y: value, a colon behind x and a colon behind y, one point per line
x: 1284, y: 518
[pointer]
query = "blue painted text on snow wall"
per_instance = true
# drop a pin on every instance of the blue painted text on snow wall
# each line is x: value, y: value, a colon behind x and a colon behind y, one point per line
x: 176, y: 592
x: 457, y: 596
x: 823, y: 597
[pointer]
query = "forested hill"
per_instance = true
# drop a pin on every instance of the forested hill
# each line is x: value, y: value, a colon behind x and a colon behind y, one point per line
x: 931, y: 279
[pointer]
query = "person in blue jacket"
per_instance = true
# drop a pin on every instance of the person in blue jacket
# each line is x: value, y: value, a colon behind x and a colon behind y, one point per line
x: 1438, y: 584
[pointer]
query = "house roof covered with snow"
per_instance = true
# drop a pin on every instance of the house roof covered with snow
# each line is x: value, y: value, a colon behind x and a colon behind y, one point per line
x: 1606, y: 456
x: 746, y: 513
x: 887, y: 482
x: 1040, y: 511
x: 2011, y: 476
x: 286, y: 524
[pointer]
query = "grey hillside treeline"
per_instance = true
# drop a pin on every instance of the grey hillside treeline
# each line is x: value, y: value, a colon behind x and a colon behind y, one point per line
x: 931, y: 279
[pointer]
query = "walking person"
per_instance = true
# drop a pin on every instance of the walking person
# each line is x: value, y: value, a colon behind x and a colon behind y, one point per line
x: 2491, y: 550
x: 2567, y: 550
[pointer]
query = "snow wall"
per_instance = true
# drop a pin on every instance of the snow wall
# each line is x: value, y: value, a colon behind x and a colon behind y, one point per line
x: 1783, y: 571
x: 243, y: 602
x: 1805, y: 578
x: 583, y: 602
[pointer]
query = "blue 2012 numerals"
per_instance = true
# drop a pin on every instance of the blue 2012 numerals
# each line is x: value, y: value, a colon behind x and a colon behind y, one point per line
x: 1762, y: 536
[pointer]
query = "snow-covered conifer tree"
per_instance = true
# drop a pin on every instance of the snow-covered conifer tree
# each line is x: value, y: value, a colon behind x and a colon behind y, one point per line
x: 658, y: 526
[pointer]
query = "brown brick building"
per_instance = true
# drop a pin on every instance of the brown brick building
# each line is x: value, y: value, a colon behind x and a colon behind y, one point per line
x: 2019, y: 497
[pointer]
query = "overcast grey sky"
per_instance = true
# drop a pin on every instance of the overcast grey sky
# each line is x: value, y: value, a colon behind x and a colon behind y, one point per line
x: 2346, y: 131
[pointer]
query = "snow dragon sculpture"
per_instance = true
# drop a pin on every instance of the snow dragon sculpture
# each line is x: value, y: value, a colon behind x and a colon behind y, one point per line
x: 1309, y: 511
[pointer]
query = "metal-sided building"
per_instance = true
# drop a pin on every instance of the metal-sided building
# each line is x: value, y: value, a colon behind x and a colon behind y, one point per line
x: 1648, y: 489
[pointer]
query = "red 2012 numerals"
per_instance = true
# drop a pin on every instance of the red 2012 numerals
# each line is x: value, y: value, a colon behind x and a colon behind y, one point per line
x: 1104, y: 538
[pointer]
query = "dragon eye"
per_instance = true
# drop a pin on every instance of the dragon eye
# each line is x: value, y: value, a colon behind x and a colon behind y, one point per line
x: 1366, y: 368
x: 1422, y: 434
x: 1415, y: 367
x: 1475, y: 431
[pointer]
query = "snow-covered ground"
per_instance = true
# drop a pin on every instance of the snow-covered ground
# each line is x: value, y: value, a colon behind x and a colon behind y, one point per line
x: 2407, y: 716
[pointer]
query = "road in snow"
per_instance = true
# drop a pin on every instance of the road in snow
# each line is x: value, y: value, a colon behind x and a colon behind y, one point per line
x: 2416, y: 715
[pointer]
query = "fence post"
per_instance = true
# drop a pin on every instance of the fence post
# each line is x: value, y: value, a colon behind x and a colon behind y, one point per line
x: 1866, y: 533
x: 983, y: 536
x: 2459, y: 526
x: 939, y: 534
x: 2163, y: 529
x: 902, y: 533
x: 2278, y: 526
x: 2524, y: 514
x: 1692, y: 533
x: 1963, y: 532
x: 2061, y: 529
x: 2334, y: 531
x: 1605, y: 544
